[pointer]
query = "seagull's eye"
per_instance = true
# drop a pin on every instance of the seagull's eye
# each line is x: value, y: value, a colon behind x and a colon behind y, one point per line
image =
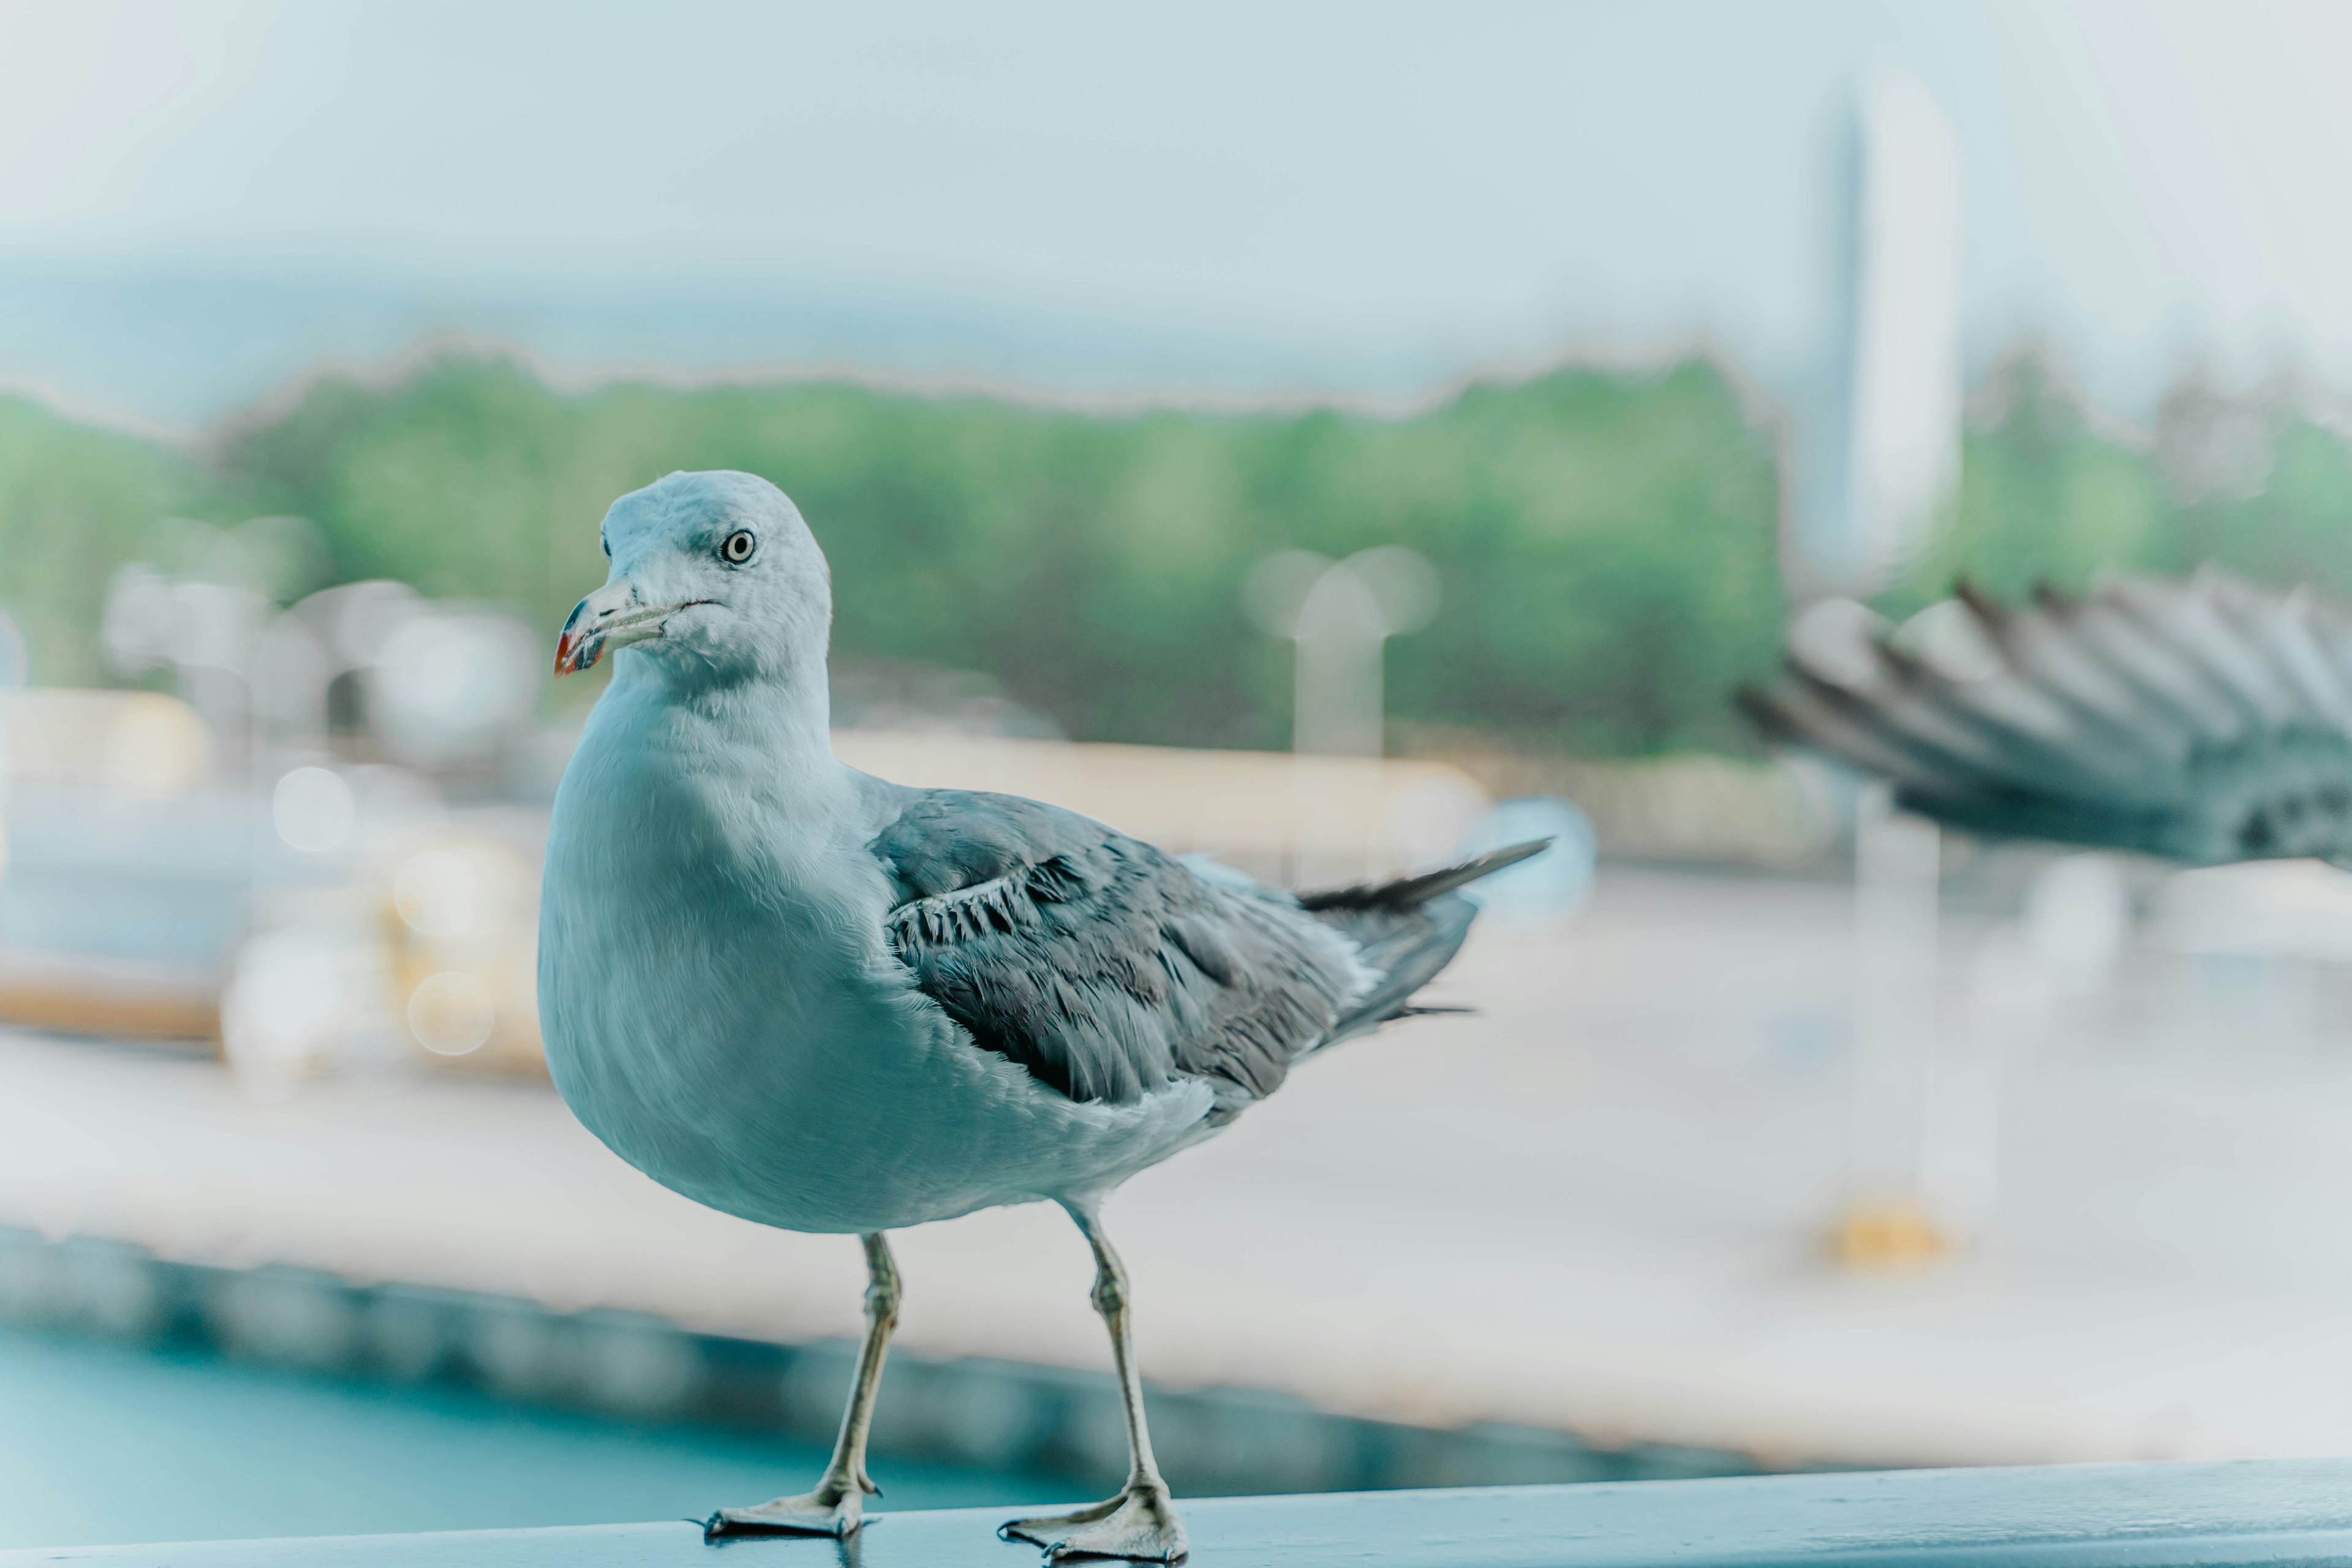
x: 737, y: 548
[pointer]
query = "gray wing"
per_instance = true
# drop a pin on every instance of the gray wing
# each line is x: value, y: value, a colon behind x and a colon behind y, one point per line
x: 2204, y: 722
x: 1103, y: 965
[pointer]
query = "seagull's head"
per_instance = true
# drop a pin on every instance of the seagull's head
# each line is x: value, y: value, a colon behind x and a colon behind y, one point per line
x: 714, y: 575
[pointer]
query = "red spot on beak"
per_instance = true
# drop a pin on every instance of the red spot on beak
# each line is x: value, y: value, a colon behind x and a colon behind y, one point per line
x: 579, y: 646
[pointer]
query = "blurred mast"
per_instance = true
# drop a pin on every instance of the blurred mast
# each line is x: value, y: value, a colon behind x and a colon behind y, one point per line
x: 1875, y: 465
x: 1879, y: 447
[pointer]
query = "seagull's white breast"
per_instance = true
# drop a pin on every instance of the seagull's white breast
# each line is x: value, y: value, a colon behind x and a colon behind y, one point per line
x: 719, y: 1006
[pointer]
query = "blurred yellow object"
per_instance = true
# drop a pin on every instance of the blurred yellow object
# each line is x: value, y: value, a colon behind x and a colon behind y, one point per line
x: 1893, y: 1235
x: 463, y: 935
x: 142, y: 744
x: 78, y: 994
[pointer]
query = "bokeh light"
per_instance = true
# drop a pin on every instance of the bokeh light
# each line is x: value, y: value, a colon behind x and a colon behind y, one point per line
x: 452, y: 1013
x: 312, y: 810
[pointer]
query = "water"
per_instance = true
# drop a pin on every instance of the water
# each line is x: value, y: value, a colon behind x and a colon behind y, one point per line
x: 102, y: 1442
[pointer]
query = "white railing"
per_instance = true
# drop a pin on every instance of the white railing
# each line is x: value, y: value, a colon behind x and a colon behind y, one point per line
x: 2078, y: 1516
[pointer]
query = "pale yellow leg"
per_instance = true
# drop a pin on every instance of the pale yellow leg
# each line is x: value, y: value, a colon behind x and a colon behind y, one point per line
x: 837, y: 1506
x: 1141, y: 1524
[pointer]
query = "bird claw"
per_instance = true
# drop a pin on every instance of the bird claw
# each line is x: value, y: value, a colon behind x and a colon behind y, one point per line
x: 834, y: 1509
x: 1140, y: 1524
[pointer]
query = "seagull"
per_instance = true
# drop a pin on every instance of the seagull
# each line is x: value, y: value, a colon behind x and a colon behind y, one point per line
x: 816, y: 1000
x: 2205, y: 722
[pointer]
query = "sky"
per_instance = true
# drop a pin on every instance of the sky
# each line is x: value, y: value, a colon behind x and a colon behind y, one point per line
x: 1247, y: 200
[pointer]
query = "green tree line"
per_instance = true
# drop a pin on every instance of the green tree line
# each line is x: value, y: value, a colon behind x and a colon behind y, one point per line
x: 1607, y: 540
x: 2259, y: 484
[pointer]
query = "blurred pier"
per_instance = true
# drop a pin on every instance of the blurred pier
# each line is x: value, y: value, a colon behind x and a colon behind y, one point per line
x: 1597, y: 1208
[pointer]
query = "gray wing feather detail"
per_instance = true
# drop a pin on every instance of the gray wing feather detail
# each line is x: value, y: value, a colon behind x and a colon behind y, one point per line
x: 1102, y: 966
x: 2204, y: 722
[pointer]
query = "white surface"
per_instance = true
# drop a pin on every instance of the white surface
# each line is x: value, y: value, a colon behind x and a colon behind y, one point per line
x: 1600, y: 1204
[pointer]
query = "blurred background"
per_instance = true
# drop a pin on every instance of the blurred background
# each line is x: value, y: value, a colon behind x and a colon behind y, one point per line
x: 1331, y: 440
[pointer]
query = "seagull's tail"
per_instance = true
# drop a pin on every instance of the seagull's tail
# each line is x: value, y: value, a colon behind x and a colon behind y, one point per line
x: 1406, y: 930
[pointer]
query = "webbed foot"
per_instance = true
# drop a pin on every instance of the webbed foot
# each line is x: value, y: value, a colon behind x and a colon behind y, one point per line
x: 836, y: 1508
x: 1139, y: 1524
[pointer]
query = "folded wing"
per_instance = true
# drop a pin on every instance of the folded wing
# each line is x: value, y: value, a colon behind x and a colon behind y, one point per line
x: 1103, y: 965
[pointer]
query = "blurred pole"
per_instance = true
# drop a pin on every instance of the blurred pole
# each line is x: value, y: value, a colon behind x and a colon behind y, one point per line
x: 2062, y: 949
x: 1340, y: 616
x: 1340, y: 633
x: 1887, y: 1219
x: 1338, y: 705
x: 1874, y: 462
x: 1959, y: 1143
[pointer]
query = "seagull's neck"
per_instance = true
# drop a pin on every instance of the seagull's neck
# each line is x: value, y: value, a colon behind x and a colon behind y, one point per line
x: 779, y: 724
x: 790, y: 716
x: 791, y: 720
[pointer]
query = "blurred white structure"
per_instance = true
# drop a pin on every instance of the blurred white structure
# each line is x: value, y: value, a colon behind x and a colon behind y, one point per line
x: 331, y: 635
x: 278, y: 804
x: 443, y: 685
x: 201, y: 631
x: 1879, y: 451
x: 1341, y: 614
x: 454, y: 684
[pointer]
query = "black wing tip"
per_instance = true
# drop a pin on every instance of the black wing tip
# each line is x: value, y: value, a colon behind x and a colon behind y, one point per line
x: 1986, y: 611
x: 2055, y: 601
x: 1495, y: 860
x: 1410, y: 892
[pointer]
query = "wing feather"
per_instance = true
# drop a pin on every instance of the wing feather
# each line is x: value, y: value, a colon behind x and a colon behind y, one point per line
x: 2205, y: 722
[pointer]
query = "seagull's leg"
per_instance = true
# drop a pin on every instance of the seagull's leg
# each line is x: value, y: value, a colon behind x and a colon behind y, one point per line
x: 838, y: 1504
x: 1140, y: 1522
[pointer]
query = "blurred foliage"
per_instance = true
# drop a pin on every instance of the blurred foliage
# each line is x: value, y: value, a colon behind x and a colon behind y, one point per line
x: 75, y: 503
x: 2259, y: 484
x: 1607, y: 541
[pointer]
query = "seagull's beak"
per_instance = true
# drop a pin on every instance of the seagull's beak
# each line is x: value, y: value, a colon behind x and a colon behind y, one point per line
x: 611, y: 617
